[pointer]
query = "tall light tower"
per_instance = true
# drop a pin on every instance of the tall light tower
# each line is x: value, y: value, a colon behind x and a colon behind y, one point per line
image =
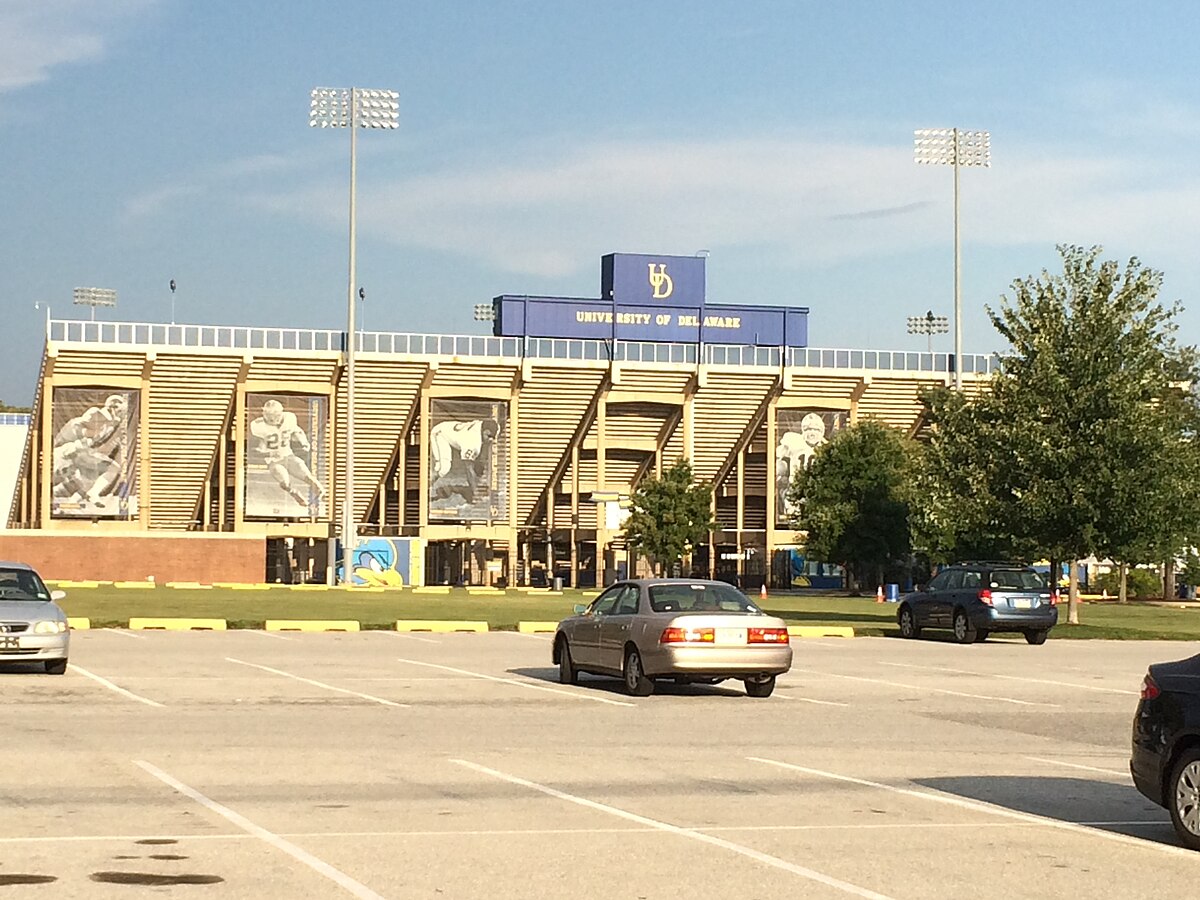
x: 953, y: 147
x: 93, y: 297
x: 928, y: 324
x: 352, y: 108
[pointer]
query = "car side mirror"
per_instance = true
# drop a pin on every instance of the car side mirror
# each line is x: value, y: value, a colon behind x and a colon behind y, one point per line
x: 580, y: 609
x: 58, y: 595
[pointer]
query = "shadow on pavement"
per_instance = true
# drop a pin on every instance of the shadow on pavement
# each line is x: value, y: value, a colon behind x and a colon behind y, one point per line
x: 616, y: 686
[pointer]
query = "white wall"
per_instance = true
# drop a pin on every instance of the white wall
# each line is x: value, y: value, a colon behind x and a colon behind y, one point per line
x: 13, y: 429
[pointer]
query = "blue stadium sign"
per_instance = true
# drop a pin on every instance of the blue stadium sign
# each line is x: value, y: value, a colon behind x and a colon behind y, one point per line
x: 651, y: 298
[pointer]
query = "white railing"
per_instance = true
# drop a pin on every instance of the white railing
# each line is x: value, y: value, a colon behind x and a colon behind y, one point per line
x: 240, y: 337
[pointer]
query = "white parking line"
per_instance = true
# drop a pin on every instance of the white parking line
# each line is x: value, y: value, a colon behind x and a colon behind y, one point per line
x: 1059, y: 762
x: 407, y: 637
x: 266, y: 634
x: 321, y: 867
x: 774, y: 861
x: 928, y: 690
x: 783, y: 696
x: 982, y: 807
x: 124, y: 632
x: 1082, y: 687
x: 320, y: 684
x: 112, y: 687
x: 577, y: 695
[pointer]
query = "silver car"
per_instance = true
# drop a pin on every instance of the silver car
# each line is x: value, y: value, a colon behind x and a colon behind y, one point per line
x: 685, y: 630
x: 33, y: 628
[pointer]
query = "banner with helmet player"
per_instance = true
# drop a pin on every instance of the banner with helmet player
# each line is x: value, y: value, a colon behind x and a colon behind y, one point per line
x: 468, y: 460
x: 95, y: 456
x: 286, y: 456
x: 798, y: 434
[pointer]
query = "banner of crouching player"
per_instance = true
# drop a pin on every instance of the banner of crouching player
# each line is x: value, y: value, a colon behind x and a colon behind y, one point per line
x: 468, y: 460
x: 286, y: 456
x: 798, y: 434
x: 95, y: 456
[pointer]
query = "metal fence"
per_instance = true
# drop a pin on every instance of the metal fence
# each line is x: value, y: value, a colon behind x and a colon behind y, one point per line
x: 238, y: 337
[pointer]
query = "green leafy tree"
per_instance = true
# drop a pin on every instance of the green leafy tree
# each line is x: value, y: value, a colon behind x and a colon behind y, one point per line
x: 852, y: 501
x: 670, y: 516
x: 1082, y: 443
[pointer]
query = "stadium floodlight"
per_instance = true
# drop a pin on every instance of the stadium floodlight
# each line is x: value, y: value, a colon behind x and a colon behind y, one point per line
x: 928, y: 324
x: 485, y: 312
x: 953, y: 147
x: 352, y: 108
x: 93, y: 297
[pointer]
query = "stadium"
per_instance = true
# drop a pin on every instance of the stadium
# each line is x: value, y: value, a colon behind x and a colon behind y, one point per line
x: 213, y: 454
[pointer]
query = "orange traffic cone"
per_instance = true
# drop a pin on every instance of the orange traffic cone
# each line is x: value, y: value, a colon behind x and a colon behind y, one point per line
x: 879, y: 594
x: 762, y: 592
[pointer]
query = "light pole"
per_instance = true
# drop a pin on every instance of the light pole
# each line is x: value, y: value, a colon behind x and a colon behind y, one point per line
x: 953, y: 147
x: 172, y: 301
x: 928, y: 324
x: 352, y: 108
x: 93, y: 297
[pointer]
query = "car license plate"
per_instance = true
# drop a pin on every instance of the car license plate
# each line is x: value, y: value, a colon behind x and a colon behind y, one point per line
x: 1022, y: 602
x: 9, y: 643
x: 731, y: 635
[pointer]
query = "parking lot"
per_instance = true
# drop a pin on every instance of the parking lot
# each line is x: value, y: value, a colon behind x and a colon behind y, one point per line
x: 377, y: 764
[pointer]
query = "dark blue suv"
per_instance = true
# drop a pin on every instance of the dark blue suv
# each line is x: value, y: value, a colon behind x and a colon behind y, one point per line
x: 977, y: 598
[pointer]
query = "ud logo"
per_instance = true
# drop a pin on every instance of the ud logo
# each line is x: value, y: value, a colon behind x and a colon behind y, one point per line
x: 661, y: 282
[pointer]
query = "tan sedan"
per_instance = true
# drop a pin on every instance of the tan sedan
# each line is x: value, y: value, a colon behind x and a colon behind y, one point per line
x: 686, y: 630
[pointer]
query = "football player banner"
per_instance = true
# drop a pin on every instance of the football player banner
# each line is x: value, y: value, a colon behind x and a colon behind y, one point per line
x: 286, y: 456
x: 798, y: 434
x: 468, y: 460
x: 95, y: 455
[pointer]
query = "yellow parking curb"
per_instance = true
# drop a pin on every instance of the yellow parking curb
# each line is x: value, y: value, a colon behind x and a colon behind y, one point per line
x: 820, y: 631
x: 485, y: 591
x: 536, y: 627
x: 77, y: 584
x: 135, y: 585
x: 177, y: 624
x: 80, y: 623
x: 439, y: 625
x: 434, y: 589
x: 189, y: 586
x: 308, y: 587
x: 310, y: 625
x: 250, y: 587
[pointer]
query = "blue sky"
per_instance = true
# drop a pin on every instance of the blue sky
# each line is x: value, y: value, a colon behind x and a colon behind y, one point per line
x: 150, y: 140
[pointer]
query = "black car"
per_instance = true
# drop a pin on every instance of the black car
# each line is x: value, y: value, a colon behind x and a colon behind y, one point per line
x: 977, y: 598
x: 1165, y: 762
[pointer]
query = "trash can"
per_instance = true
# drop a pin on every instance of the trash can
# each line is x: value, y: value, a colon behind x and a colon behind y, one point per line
x: 892, y: 593
x: 557, y: 583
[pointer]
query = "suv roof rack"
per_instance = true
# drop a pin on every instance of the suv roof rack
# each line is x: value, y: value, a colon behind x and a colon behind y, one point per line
x: 992, y: 562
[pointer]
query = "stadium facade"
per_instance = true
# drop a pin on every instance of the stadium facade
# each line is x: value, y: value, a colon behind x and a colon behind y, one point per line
x: 217, y: 453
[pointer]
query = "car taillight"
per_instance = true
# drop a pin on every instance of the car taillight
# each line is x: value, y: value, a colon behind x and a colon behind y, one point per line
x: 985, y: 596
x: 1149, y: 689
x: 767, y: 636
x: 674, y: 635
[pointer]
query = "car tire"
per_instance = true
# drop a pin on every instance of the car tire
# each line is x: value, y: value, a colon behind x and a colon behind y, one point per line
x: 763, y: 687
x: 908, y: 623
x: 981, y: 635
x: 56, y: 666
x: 1183, y: 798
x: 1036, y: 636
x: 637, y: 684
x: 964, y: 632
x: 567, y: 673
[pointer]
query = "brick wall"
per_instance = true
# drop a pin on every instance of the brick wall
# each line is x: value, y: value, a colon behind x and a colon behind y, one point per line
x: 186, y: 557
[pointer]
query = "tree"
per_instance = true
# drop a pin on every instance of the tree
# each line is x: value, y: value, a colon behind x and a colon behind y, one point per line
x: 1083, y: 443
x: 852, y: 501
x: 670, y: 516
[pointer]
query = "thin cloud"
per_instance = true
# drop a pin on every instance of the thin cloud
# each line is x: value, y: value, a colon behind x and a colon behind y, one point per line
x: 37, y: 36
x: 884, y: 213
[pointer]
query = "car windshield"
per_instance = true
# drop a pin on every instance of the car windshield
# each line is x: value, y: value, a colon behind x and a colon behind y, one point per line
x: 22, y: 584
x: 1017, y: 580
x: 721, y: 598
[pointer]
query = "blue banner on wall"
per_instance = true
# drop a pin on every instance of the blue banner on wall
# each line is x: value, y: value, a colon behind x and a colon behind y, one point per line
x: 644, y: 280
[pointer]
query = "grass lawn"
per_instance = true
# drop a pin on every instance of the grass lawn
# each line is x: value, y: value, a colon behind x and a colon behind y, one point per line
x: 109, y: 606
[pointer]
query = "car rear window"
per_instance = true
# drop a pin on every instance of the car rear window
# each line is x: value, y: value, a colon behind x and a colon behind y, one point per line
x: 699, y: 598
x: 21, y: 584
x: 1017, y: 580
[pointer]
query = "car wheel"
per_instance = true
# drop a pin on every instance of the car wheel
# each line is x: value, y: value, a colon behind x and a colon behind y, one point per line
x: 566, y: 666
x: 981, y: 635
x: 636, y: 681
x: 963, y: 632
x: 760, y: 687
x: 1184, y: 795
x: 908, y: 624
x: 56, y: 667
x: 1037, y: 636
